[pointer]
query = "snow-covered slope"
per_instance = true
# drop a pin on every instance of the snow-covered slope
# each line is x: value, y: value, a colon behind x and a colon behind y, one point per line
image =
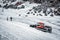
x: 18, y: 28
x: 21, y: 31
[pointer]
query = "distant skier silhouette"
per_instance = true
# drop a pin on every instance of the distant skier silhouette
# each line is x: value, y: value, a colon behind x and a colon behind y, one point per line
x: 7, y: 18
x: 11, y: 18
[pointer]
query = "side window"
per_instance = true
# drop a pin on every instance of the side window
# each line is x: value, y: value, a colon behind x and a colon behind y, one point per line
x: 38, y: 25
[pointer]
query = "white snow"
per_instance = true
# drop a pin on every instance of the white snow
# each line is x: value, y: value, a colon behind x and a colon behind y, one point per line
x: 18, y: 28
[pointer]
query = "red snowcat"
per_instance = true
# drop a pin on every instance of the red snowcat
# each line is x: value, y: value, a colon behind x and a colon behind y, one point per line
x: 42, y: 27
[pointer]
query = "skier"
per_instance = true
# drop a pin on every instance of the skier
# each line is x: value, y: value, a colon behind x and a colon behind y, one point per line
x: 10, y: 18
x: 7, y: 18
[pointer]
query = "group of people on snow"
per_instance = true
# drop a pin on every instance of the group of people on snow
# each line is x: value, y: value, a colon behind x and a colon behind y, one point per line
x: 9, y: 18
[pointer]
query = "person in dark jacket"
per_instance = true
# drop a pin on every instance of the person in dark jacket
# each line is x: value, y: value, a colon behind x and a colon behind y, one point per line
x: 7, y: 18
x: 11, y: 18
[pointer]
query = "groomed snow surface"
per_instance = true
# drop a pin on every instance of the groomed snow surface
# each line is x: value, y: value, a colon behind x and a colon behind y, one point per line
x: 18, y: 28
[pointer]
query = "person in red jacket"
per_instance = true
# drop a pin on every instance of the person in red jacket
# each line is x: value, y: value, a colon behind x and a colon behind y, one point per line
x: 41, y: 25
